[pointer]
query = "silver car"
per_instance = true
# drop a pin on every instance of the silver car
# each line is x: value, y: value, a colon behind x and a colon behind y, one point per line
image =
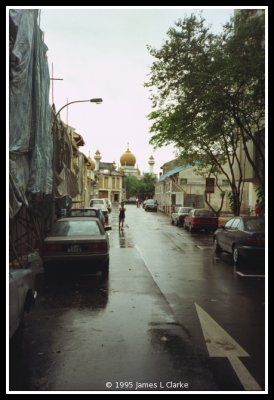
x: 178, y: 217
x: 77, y: 244
x: 21, y: 299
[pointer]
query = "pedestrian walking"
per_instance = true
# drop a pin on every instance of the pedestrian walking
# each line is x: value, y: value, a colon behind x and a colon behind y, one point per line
x: 122, y: 215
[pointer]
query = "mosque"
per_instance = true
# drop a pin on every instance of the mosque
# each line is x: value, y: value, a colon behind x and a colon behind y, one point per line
x: 108, y: 182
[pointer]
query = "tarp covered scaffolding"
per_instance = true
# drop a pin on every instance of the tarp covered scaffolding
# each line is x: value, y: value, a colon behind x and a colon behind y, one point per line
x: 30, y: 139
x: 32, y: 128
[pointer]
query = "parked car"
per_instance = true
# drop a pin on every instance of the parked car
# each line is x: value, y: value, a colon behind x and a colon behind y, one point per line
x: 100, y: 203
x: 21, y: 299
x: 144, y: 203
x: 199, y: 218
x: 242, y: 237
x: 109, y: 205
x: 77, y: 244
x: 178, y: 217
x: 131, y: 200
x: 151, y: 205
x: 87, y: 212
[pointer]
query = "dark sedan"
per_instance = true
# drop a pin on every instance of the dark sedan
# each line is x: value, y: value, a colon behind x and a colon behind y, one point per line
x: 78, y: 244
x: 151, y: 205
x: 242, y: 237
x: 87, y: 212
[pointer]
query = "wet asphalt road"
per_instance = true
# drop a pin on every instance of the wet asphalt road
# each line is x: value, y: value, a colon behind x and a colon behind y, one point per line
x: 141, y: 328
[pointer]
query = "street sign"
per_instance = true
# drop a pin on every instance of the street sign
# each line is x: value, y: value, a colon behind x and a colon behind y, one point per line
x: 210, y: 182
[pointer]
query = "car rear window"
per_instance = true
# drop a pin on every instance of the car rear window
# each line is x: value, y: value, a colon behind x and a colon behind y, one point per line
x: 97, y: 202
x: 76, y: 228
x: 82, y: 213
x: 204, y: 213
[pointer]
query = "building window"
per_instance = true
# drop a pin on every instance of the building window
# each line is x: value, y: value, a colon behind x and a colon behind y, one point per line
x: 183, y: 181
x: 113, y: 183
x: 106, y: 182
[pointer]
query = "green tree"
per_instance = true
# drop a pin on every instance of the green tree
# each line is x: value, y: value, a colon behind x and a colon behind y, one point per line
x: 131, y: 183
x: 147, y: 186
x: 206, y: 100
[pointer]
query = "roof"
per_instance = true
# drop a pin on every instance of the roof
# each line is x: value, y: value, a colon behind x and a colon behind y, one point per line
x: 175, y: 171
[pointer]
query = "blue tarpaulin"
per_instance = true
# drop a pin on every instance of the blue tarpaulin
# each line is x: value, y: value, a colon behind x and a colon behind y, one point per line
x: 30, y: 115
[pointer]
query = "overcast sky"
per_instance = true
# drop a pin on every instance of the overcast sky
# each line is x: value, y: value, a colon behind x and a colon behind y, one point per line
x: 102, y: 53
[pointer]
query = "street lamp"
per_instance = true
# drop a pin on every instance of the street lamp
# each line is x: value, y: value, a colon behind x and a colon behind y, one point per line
x: 95, y: 100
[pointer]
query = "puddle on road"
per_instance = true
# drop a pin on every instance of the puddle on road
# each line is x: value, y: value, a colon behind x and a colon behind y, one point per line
x: 124, y: 241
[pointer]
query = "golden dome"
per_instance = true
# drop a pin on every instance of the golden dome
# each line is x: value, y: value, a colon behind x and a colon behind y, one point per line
x: 91, y: 162
x: 128, y: 159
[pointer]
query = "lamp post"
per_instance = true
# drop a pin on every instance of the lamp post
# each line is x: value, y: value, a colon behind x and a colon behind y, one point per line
x: 94, y: 100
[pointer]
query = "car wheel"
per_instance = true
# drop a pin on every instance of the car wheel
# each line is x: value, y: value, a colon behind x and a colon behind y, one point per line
x: 216, y: 246
x: 235, y: 255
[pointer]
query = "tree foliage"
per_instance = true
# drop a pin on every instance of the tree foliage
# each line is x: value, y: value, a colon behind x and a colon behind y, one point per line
x: 208, y: 94
x: 131, y: 183
x: 142, y: 188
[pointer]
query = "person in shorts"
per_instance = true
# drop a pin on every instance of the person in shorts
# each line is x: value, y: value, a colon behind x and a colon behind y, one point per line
x: 122, y: 215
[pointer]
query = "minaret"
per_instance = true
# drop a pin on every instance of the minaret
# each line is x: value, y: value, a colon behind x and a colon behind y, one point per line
x: 151, y: 163
x: 97, y: 159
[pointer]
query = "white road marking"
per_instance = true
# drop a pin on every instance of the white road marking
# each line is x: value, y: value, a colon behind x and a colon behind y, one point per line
x: 249, y: 275
x: 220, y: 344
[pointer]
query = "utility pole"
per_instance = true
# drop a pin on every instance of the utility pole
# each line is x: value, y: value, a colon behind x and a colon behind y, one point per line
x: 54, y: 146
x: 53, y: 79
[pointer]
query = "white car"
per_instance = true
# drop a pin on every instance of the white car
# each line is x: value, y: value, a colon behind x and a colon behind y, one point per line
x: 109, y: 205
x: 100, y: 203
x: 21, y: 298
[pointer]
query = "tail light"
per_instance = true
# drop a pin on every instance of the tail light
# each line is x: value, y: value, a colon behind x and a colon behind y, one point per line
x: 99, y: 246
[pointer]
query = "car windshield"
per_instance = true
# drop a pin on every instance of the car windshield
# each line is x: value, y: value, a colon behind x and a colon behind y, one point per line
x: 254, y: 224
x: 76, y: 228
x: 185, y: 210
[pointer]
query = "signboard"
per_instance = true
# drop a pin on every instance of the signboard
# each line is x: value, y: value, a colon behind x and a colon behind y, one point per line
x: 210, y: 182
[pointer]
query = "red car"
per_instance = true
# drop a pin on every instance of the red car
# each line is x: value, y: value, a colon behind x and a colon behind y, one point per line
x: 199, y: 219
